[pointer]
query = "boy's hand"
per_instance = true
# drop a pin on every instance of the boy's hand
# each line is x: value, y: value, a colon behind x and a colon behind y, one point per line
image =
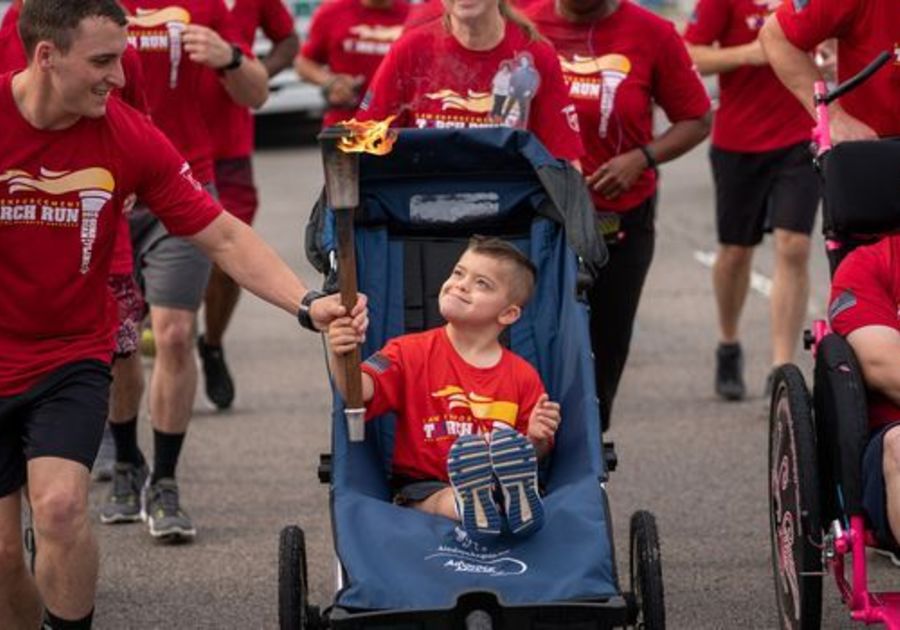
x: 342, y: 336
x: 327, y: 309
x: 544, y: 421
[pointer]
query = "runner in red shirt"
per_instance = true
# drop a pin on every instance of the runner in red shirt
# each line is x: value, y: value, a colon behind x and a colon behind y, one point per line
x: 863, y: 29
x: 126, y: 370
x: 865, y: 308
x: 619, y: 60
x: 347, y: 41
x: 178, y: 42
x: 481, y: 66
x: 70, y: 157
x: 454, y: 385
x: 231, y: 128
x: 764, y: 178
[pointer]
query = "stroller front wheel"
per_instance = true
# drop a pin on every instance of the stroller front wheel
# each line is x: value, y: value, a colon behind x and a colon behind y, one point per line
x: 646, y: 572
x: 292, y: 580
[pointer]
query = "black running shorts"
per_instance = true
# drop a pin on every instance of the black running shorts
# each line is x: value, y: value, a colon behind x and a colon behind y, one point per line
x: 758, y: 192
x: 62, y: 416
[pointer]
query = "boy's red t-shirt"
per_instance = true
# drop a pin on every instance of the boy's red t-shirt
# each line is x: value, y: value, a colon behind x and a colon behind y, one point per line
x: 863, y: 28
x: 866, y: 292
x: 13, y: 58
x: 438, y: 396
x: 615, y: 69
x: 173, y: 83
x: 61, y: 196
x: 231, y: 125
x: 351, y: 38
x: 756, y: 112
x: 429, y: 80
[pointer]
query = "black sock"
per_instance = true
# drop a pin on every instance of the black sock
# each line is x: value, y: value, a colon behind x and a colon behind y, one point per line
x: 167, y: 447
x: 52, y: 622
x: 125, y: 436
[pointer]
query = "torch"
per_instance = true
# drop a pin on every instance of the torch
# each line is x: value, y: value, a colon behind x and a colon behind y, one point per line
x: 341, y: 147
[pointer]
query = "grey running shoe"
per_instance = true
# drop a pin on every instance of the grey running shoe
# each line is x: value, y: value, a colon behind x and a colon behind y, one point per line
x: 219, y: 384
x: 730, y: 371
x: 106, y: 457
x: 124, y: 502
x: 167, y: 521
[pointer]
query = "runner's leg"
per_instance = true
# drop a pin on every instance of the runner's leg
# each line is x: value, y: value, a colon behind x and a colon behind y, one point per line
x: 20, y: 603
x: 790, y: 293
x: 174, y: 379
x: 731, y: 281
x: 222, y: 296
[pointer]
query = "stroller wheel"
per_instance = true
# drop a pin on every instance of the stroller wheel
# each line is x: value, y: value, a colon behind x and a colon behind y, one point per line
x: 795, y: 520
x: 292, y: 580
x: 646, y: 572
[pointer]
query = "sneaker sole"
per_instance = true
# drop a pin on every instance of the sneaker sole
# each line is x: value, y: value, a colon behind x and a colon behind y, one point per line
x: 120, y: 518
x: 515, y: 465
x: 471, y: 477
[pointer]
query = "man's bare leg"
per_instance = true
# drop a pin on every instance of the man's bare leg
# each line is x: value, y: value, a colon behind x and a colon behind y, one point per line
x: 731, y: 281
x: 222, y: 295
x: 20, y: 604
x: 127, y: 389
x: 173, y: 382
x: 790, y: 293
x: 67, y: 563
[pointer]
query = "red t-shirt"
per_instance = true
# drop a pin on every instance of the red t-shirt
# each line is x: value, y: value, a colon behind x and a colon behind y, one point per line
x: 230, y: 124
x: 866, y: 292
x: 13, y: 58
x: 756, y: 112
x: 61, y: 196
x: 172, y: 81
x: 615, y: 69
x: 438, y: 397
x: 429, y: 80
x: 351, y: 38
x: 863, y: 28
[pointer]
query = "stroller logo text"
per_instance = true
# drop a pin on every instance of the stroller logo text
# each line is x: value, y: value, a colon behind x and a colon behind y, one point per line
x: 461, y: 554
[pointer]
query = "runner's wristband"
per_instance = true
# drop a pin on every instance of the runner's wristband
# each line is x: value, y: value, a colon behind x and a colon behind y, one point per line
x: 303, y: 315
x: 237, y: 55
x: 648, y: 155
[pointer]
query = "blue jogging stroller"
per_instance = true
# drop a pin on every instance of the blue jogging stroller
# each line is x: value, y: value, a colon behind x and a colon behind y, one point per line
x: 418, y: 207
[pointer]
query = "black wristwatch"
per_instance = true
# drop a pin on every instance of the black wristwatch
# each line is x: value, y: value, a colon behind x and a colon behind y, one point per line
x: 303, y: 314
x: 237, y: 55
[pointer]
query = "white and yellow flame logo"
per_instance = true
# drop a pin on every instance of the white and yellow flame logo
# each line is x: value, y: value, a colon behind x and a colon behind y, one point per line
x: 377, y: 33
x: 152, y: 18
x: 613, y: 69
x: 475, y: 102
x: 481, y: 407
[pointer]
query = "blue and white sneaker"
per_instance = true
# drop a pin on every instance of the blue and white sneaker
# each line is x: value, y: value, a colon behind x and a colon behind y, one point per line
x: 472, y: 480
x: 515, y: 466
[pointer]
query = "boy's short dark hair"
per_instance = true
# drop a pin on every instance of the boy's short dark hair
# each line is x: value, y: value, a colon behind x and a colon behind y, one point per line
x: 524, y: 275
x: 56, y: 20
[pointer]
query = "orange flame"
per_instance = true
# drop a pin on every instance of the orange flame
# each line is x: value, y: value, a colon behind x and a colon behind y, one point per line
x: 374, y: 136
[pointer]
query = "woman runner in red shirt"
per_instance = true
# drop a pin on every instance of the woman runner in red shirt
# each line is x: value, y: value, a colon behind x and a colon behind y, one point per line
x: 618, y: 60
x: 481, y: 65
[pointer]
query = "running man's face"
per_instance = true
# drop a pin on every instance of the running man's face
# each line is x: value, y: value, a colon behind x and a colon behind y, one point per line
x: 477, y: 292
x: 470, y: 10
x: 84, y: 76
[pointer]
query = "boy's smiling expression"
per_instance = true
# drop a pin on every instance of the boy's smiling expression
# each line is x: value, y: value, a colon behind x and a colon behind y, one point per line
x: 478, y: 293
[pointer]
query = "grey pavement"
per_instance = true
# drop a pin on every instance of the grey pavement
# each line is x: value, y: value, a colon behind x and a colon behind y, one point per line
x: 699, y: 464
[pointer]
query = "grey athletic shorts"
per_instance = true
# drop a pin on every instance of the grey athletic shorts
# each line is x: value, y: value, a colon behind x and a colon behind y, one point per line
x: 171, y: 272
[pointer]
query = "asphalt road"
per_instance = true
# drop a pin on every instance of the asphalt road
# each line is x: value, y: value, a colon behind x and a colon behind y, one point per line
x: 699, y: 464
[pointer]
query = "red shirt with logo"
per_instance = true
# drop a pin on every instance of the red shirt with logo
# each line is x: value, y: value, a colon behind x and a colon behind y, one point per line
x: 173, y: 83
x: 615, y: 69
x: 61, y: 196
x: 863, y: 28
x: 866, y: 292
x: 438, y: 397
x: 351, y: 38
x: 756, y: 112
x: 429, y: 79
x: 230, y: 124
x: 13, y: 58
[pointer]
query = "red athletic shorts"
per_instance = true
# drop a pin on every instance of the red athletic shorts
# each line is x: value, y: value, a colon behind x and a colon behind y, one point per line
x: 237, y: 192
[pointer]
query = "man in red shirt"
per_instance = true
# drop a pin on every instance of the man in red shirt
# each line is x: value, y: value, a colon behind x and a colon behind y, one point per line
x: 70, y: 158
x: 865, y: 308
x: 178, y: 43
x: 231, y: 130
x: 347, y: 41
x: 863, y: 29
x: 764, y: 179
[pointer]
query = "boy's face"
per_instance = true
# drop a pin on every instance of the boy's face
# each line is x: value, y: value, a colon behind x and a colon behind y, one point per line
x: 84, y: 76
x: 478, y: 292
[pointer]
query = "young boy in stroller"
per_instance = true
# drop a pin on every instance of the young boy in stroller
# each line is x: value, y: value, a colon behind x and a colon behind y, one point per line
x: 473, y: 416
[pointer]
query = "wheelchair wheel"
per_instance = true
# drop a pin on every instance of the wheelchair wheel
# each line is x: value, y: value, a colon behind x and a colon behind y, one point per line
x: 795, y: 520
x: 292, y: 580
x: 646, y: 572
